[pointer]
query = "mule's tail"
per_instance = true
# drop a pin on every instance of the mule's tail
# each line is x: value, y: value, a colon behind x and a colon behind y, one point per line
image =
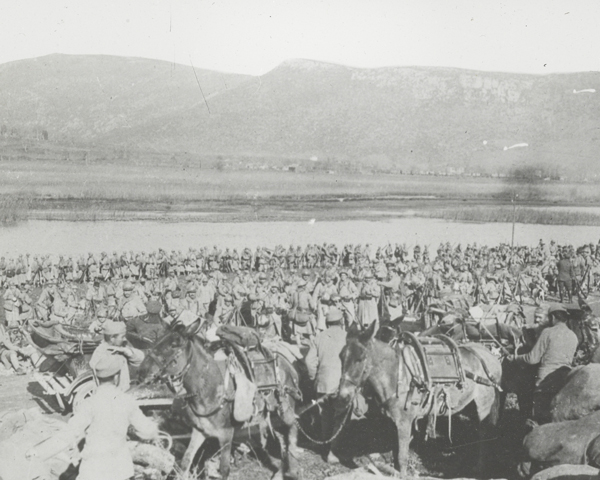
x: 496, y: 408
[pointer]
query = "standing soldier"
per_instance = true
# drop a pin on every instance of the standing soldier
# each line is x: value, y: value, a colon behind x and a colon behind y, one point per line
x: 553, y: 352
x: 103, y: 420
x: 367, y: 301
x: 131, y: 305
x: 348, y: 294
x: 565, y: 276
x: 115, y: 345
x: 301, y: 314
x: 325, y: 368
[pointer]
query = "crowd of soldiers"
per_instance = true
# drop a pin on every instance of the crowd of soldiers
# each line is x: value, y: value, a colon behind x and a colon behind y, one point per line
x: 296, y: 284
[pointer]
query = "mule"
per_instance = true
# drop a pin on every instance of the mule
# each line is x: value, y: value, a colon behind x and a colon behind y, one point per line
x: 367, y: 361
x: 182, y: 361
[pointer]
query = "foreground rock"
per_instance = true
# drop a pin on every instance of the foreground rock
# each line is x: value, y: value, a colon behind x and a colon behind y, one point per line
x: 361, y: 474
x: 581, y: 394
x: 562, y: 443
x: 567, y: 472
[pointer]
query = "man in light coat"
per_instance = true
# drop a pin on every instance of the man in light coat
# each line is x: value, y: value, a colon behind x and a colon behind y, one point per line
x: 103, y: 420
x: 324, y: 367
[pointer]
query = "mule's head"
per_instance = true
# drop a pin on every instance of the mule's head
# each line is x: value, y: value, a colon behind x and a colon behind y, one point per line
x: 356, y: 362
x: 169, y: 357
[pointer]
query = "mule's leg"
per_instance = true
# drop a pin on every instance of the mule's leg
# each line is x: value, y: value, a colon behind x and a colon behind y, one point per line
x: 488, y: 412
x: 225, y: 447
x: 290, y: 453
x: 195, y: 443
x: 404, y: 427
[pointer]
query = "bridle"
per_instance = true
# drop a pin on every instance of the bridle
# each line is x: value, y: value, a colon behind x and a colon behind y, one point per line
x: 357, y: 384
x: 163, y: 365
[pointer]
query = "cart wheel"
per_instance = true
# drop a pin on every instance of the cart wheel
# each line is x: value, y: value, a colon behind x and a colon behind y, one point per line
x: 83, y: 391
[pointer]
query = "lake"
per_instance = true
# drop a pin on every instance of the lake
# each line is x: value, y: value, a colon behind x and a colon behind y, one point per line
x: 61, y: 237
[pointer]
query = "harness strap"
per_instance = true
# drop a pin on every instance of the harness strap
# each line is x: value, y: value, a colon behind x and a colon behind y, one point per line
x: 490, y: 381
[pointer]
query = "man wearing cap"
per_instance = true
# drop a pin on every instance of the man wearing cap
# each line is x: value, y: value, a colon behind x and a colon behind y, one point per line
x: 348, y: 294
x: 367, y: 312
x: 131, y: 305
x: 151, y: 327
x: 115, y: 345
x: 554, y: 352
x: 325, y: 366
x: 103, y: 420
x: 565, y: 275
x: 97, y: 325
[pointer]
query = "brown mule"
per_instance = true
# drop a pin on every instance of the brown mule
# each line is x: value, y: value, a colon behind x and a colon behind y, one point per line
x: 181, y: 360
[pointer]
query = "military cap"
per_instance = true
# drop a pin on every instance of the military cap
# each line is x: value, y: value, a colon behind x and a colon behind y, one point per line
x: 154, y: 307
x: 114, y: 328
x: 556, y: 307
x: 127, y: 286
x: 107, y: 366
x: 334, y: 316
x: 301, y: 283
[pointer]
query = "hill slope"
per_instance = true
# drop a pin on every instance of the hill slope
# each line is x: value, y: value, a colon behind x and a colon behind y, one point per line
x: 420, y: 118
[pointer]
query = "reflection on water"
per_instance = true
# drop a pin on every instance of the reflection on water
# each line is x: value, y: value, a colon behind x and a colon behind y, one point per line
x: 81, y: 237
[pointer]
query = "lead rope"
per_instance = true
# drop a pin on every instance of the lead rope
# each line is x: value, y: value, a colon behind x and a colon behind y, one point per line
x: 342, y: 423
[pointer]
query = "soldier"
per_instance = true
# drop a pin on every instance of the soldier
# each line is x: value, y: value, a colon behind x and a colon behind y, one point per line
x: 103, y: 420
x: 131, y: 305
x: 206, y: 294
x: 367, y: 301
x: 301, y: 313
x: 348, y: 294
x: 554, y: 352
x: 325, y: 368
x: 565, y: 276
x: 115, y: 345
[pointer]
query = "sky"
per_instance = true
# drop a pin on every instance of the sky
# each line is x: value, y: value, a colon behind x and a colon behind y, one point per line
x: 254, y: 36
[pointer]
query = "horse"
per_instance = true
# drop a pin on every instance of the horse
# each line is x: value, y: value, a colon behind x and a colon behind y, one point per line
x: 181, y: 359
x: 367, y: 361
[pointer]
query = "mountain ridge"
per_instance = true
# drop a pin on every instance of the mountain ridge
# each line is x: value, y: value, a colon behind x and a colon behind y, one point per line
x: 389, y: 118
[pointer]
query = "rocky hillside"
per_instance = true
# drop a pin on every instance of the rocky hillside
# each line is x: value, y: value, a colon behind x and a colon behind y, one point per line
x: 391, y: 118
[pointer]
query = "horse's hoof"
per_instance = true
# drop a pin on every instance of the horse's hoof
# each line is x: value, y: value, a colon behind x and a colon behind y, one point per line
x: 278, y: 475
x: 524, y: 469
x: 332, y: 459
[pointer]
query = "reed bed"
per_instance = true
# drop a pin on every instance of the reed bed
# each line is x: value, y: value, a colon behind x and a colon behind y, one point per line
x: 13, y: 209
x: 541, y: 216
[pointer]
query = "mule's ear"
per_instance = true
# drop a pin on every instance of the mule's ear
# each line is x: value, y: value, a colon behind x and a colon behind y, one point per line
x: 192, y: 329
x: 369, y: 333
x: 353, y: 331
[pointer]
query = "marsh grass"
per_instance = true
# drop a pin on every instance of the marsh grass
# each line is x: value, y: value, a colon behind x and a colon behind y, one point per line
x: 13, y: 209
x: 541, y: 216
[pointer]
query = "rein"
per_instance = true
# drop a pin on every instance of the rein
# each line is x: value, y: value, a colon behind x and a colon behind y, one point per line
x: 357, y: 386
x: 171, y: 380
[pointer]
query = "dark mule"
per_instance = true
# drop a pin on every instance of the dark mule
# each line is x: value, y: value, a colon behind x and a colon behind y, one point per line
x: 181, y: 360
x: 367, y: 361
